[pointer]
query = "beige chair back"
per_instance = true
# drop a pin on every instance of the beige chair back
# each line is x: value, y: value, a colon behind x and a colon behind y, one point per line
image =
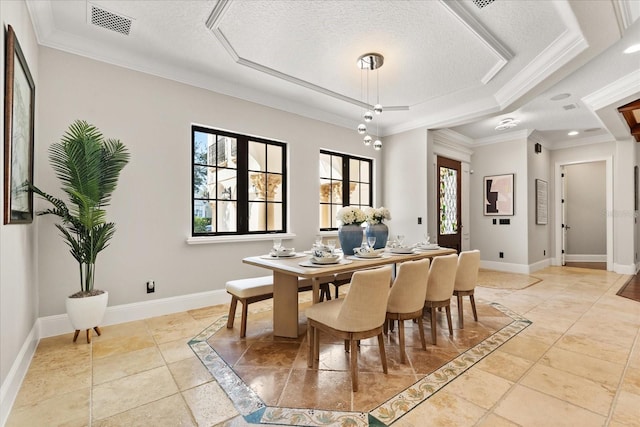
x: 410, y: 287
x: 442, y: 276
x: 467, y: 272
x: 365, y: 305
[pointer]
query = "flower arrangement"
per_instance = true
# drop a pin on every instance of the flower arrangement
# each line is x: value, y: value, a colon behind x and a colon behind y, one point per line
x: 351, y: 215
x: 377, y: 215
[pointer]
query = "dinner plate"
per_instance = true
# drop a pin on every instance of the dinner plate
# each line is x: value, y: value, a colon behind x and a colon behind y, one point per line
x: 323, y: 261
x: 429, y: 247
x: 308, y: 263
x: 293, y: 255
x: 370, y: 255
x: 401, y: 250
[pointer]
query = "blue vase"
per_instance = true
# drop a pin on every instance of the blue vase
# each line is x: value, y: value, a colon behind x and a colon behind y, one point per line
x: 350, y: 236
x: 380, y: 232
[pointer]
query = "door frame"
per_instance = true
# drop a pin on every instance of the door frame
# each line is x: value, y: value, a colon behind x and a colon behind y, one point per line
x: 608, y: 205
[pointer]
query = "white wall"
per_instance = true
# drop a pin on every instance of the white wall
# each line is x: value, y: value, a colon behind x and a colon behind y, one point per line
x: 497, y: 159
x: 18, y: 290
x: 539, y: 235
x: 405, y: 183
x: 585, y: 210
x: 151, y: 206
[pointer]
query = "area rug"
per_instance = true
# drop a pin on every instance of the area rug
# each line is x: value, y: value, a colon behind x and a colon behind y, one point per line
x: 255, y: 410
x: 503, y: 280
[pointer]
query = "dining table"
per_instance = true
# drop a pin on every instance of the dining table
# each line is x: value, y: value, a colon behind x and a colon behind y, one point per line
x: 288, y: 270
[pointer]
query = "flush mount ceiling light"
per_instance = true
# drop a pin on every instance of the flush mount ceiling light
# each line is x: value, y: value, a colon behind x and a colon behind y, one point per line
x: 507, y: 123
x: 560, y: 96
x: 573, y: 133
x: 367, y: 63
x: 632, y: 49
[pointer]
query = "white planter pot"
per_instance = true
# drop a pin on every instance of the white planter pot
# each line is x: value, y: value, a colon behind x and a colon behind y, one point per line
x: 87, y: 313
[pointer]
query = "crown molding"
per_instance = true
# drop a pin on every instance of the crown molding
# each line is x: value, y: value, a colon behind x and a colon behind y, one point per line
x: 581, y: 142
x: 522, y: 134
x: 562, y: 50
x: 448, y: 135
x: 624, y: 14
x: 613, y: 92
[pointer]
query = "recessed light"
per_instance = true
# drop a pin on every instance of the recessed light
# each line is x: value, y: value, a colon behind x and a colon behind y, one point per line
x: 632, y: 49
x: 573, y: 133
x: 560, y: 96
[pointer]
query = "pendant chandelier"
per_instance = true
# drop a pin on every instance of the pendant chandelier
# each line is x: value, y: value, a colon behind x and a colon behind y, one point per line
x: 367, y: 63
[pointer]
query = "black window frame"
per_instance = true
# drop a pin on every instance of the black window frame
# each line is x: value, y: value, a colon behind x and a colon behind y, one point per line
x: 242, y: 182
x: 346, y: 197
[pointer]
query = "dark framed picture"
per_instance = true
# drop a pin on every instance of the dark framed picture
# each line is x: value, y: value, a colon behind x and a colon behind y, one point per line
x: 19, y: 101
x: 542, y: 198
x: 498, y: 195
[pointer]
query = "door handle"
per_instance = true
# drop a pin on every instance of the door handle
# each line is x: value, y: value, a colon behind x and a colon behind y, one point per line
x: 567, y: 227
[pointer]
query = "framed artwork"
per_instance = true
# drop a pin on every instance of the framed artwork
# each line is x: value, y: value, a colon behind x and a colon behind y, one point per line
x: 19, y: 101
x: 542, y: 199
x: 498, y: 195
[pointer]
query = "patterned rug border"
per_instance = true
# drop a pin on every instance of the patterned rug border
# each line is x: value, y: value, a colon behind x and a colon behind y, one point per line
x: 255, y: 411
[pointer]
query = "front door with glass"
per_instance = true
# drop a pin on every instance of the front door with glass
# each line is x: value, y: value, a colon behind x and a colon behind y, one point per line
x: 449, y: 203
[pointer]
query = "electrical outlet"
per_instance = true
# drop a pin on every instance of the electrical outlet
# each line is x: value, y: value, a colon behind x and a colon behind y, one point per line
x: 544, y: 252
x: 419, y: 220
x: 501, y: 254
x: 151, y: 286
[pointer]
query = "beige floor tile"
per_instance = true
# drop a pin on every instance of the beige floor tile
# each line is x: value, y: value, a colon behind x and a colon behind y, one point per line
x: 40, y: 384
x: 70, y: 409
x: 117, y: 345
x: 130, y: 392
x: 209, y: 404
x: 505, y: 365
x: 122, y: 365
x: 594, y: 369
x: 479, y: 387
x: 493, y: 420
x: 173, y: 351
x: 168, y: 412
x: 189, y: 373
x: 586, y: 345
x: 444, y: 409
x: 569, y: 387
x: 627, y: 409
x: 527, y: 348
x: 631, y: 381
x: 530, y: 408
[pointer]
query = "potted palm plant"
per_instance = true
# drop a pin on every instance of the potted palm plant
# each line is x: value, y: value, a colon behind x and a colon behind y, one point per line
x: 88, y: 165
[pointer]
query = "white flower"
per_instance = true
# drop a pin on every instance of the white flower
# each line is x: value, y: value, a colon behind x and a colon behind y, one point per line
x: 377, y: 215
x: 351, y: 215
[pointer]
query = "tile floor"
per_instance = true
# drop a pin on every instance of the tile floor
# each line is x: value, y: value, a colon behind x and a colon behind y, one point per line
x: 578, y: 363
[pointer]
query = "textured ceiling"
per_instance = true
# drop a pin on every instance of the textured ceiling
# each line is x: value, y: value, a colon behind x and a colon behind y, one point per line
x: 448, y: 64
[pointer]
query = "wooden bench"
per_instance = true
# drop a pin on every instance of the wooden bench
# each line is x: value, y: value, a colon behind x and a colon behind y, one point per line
x: 256, y: 289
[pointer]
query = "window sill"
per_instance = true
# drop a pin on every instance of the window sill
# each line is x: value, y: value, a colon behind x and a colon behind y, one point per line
x: 207, y: 240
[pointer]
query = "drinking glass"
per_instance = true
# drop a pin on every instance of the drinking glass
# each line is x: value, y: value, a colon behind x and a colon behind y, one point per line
x: 318, y: 240
x: 427, y: 238
x: 400, y: 239
x: 371, y: 240
x: 331, y: 243
x: 277, y: 244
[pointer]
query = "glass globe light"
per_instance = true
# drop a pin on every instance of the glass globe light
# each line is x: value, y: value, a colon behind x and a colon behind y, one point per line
x: 367, y: 140
x: 368, y: 116
x: 377, y: 109
x: 362, y: 129
x: 377, y: 145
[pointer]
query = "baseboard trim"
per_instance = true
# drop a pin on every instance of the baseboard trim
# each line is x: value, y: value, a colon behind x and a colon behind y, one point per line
x: 59, y: 324
x: 505, y: 266
x: 625, y: 269
x: 13, y: 381
x: 585, y: 258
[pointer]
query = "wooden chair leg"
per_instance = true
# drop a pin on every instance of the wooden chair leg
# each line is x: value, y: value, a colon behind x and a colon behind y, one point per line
x: 383, y: 353
x: 232, y: 312
x: 337, y: 293
x: 310, y: 341
x: 243, y: 320
x: 448, y: 311
x: 354, y: 365
x: 316, y: 347
x: 473, y: 307
x: 460, y: 311
x: 421, y: 326
x: 346, y: 346
x: 433, y: 325
x: 403, y: 358
x: 88, y: 336
x: 97, y: 329
x: 75, y: 336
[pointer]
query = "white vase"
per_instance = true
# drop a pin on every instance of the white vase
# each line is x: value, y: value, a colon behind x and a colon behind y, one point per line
x: 87, y: 313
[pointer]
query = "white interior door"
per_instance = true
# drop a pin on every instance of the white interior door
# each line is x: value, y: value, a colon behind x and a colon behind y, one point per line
x: 564, y: 225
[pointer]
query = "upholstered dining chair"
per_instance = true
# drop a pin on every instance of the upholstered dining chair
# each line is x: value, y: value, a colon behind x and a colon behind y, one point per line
x: 466, y: 280
x: 406, y: 298
x: 442, y: 276
x: 359, y: 315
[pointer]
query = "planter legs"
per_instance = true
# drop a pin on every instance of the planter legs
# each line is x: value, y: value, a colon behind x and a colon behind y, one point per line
x: 96, y: 328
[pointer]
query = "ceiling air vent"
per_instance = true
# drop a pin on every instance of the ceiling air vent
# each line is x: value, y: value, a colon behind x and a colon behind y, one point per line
x: 111, y: 21
x: 570, y: 107
x: 482, y: 3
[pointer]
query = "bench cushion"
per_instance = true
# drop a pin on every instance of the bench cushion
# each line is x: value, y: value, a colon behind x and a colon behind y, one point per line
x: 263, y: 285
